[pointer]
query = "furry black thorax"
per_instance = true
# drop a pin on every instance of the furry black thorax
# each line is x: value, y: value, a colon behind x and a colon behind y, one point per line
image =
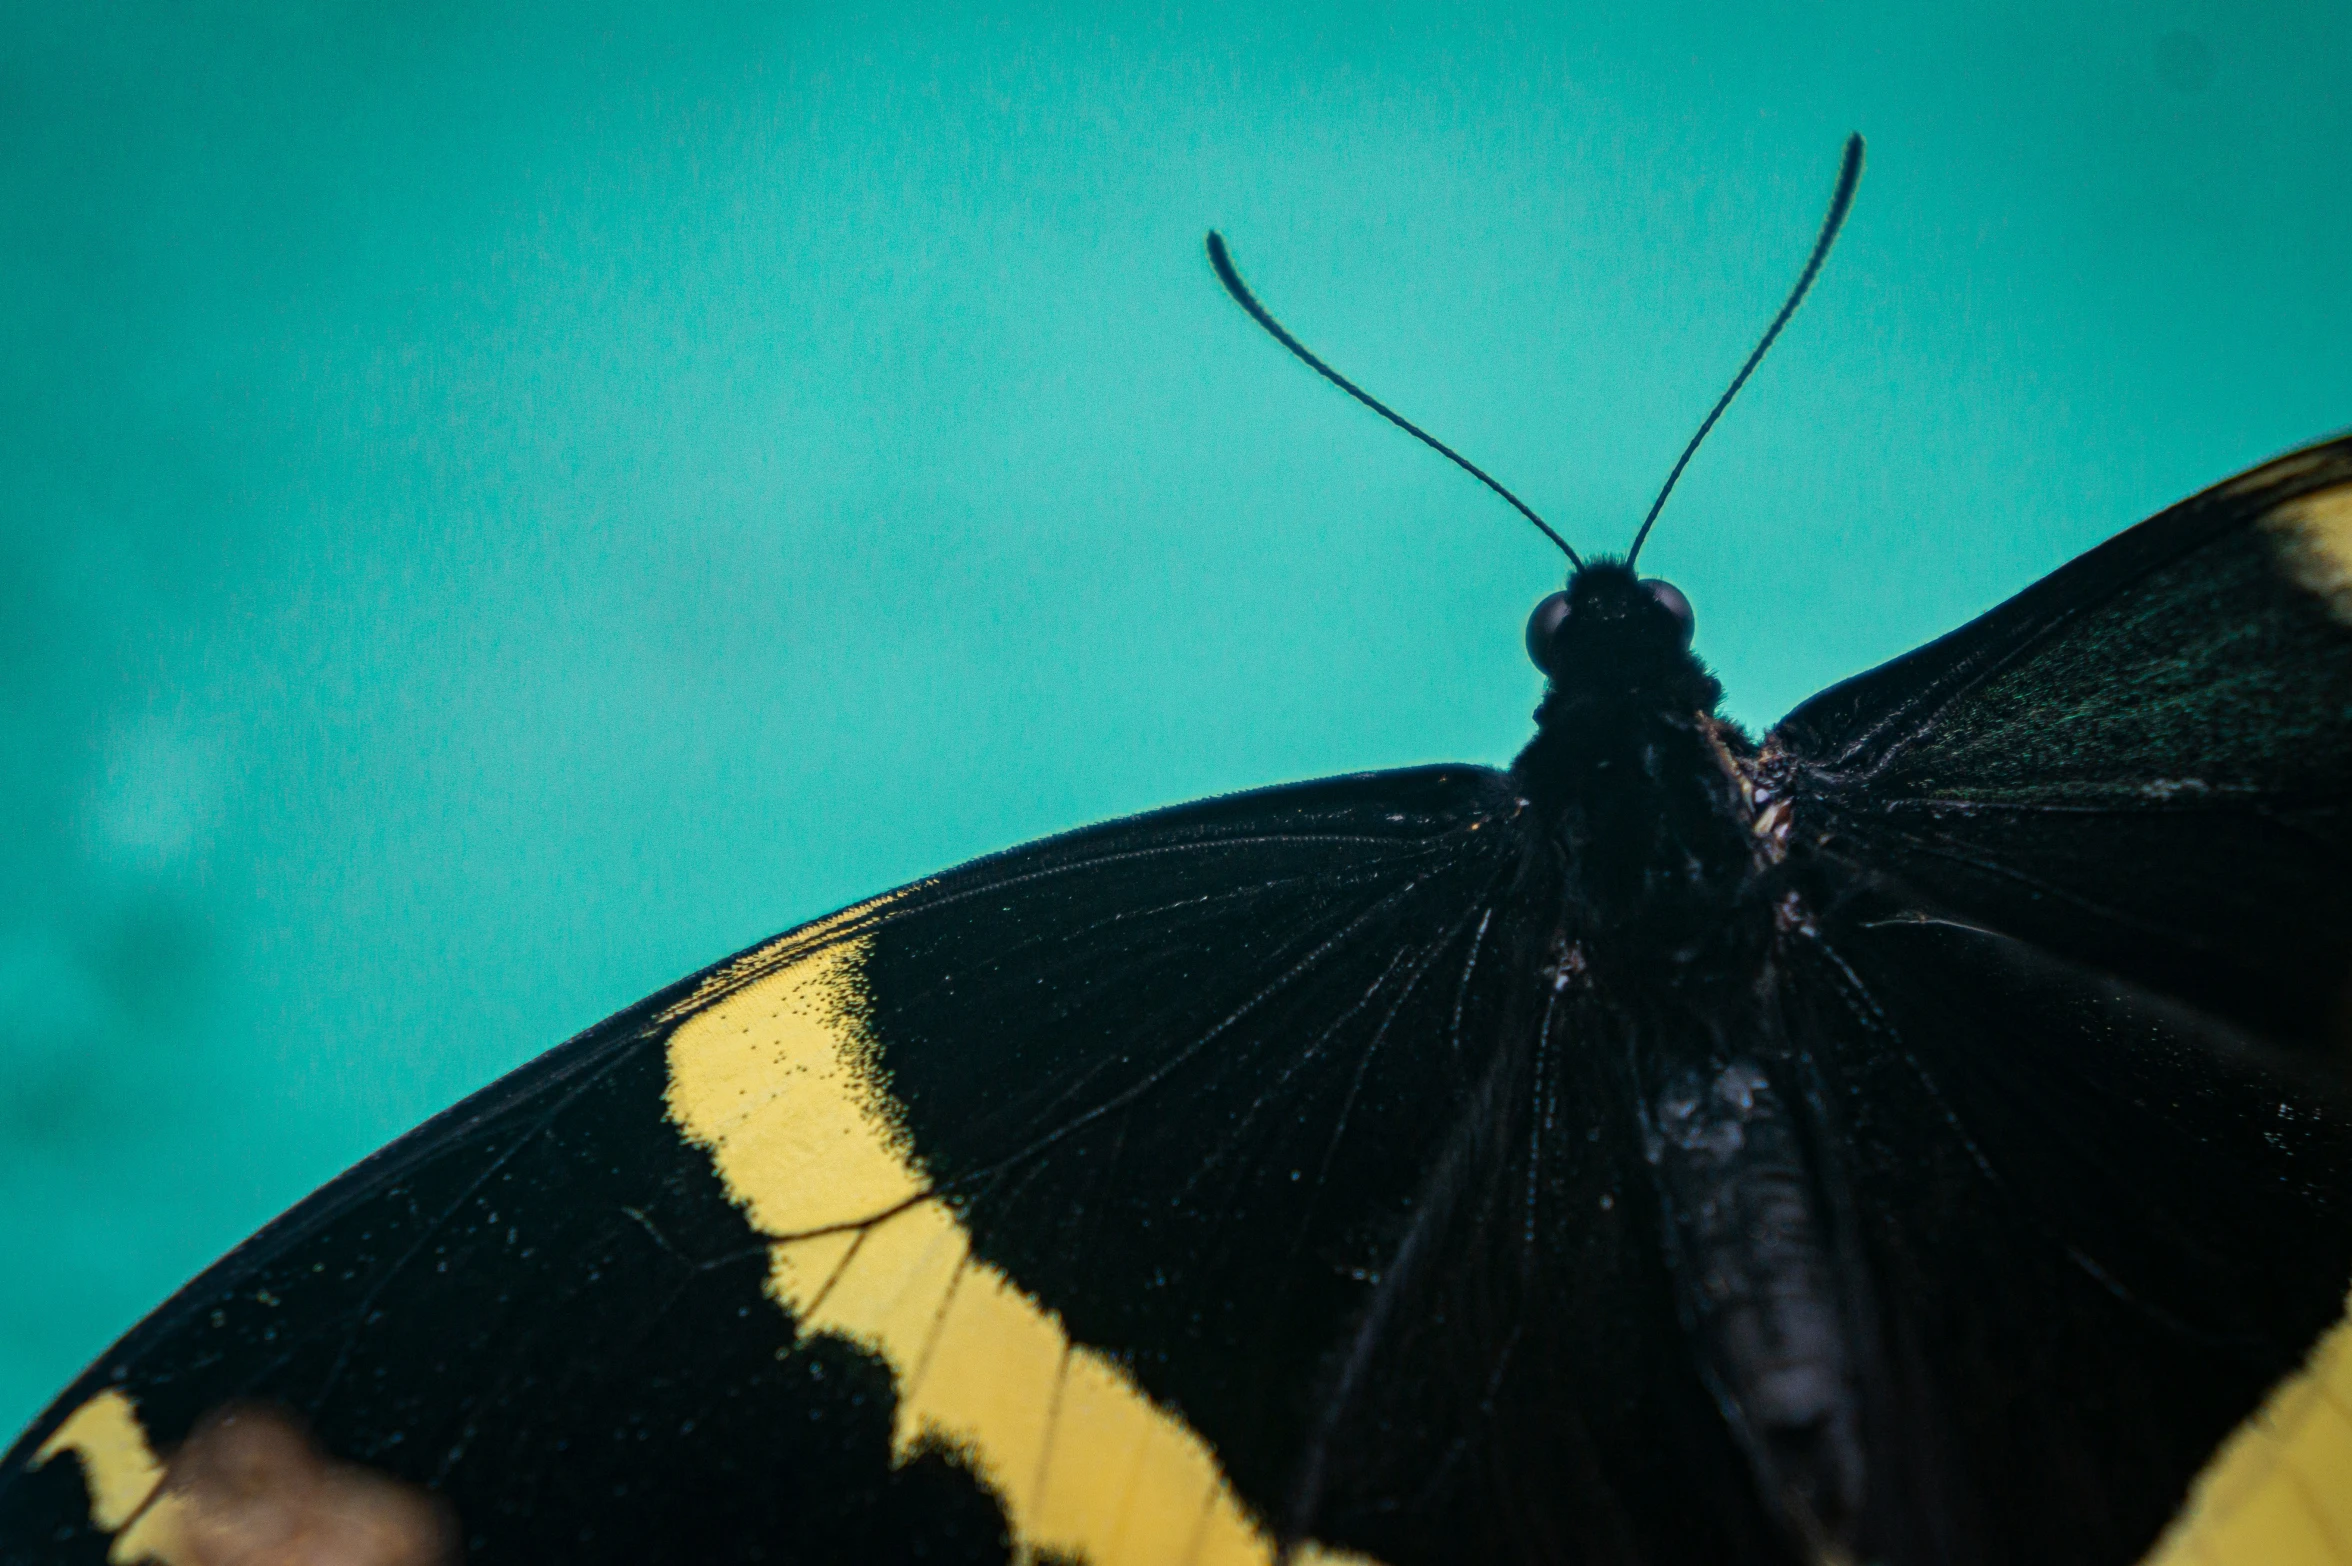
x: 1631, y: 772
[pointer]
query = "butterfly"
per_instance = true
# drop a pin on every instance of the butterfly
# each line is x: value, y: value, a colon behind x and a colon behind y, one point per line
x: 1915, y: 1136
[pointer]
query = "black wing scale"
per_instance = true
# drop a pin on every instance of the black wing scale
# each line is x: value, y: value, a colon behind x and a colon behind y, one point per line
x: 2096, y: 1229
x: 2139, y: 761
x: 2079, y: 934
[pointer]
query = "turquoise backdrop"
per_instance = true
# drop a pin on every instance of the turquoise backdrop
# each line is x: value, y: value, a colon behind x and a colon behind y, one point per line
x: 501, y: 505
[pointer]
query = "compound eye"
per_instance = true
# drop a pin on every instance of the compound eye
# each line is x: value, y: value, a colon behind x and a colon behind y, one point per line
x: 1542, y: 626
x: 1671, y: 600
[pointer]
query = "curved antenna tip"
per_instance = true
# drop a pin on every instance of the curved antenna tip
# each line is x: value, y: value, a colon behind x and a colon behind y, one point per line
x: 1841, y: 201
x: 1222, y: 259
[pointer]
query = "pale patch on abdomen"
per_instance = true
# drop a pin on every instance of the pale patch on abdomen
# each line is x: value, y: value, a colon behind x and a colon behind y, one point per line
x: 2279, y: 1491
x: 783, y: 1082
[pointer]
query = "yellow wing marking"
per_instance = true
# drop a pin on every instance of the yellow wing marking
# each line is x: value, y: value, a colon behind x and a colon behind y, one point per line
x: 2313, y: 535
x: 248, y: 1487
x: 118, y: 1467
x: 124, y: 1480
x: 2279, y: 1491
x: 123, y: 1477
x: 782, y: 1082
x: 2280, y: 470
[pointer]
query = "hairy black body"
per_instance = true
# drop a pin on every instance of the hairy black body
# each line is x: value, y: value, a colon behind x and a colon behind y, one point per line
x: 1669, y: 905
x: 1631, y: 776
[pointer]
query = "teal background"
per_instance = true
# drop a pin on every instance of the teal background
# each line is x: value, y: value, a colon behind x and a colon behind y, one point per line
x: 501, y: 506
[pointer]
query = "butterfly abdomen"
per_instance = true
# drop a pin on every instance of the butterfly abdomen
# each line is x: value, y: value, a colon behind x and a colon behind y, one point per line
x: 1671, y: 908
x: 1752, y: 1248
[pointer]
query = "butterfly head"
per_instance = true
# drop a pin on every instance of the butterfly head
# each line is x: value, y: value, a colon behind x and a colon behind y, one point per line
x: 1611, y: 636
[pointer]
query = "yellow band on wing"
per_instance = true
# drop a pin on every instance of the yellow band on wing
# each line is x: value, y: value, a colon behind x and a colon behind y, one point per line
x: 2314, y: 538
x: 2279, y: 1491
x: 783, y: 1083
x: 123, y: 1477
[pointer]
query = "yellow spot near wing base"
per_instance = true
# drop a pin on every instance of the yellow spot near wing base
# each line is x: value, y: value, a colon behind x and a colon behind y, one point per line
x: 118, y: 1467
x: 248, y: 1487
x: 2314, y: 539
x: 123, y: 1477
x: 782, y: 1082
x: 2279, y: 1492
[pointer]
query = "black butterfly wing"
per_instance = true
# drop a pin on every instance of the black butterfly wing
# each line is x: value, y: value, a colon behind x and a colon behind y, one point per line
x: 2078, y: 925
x: 1178, y: 1190
x: 2098, y: 1236
x: 2142, y: 761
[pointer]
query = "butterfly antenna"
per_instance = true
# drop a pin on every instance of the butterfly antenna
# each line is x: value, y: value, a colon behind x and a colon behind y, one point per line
x: 1849, y: 175
x: 1222, y: 260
